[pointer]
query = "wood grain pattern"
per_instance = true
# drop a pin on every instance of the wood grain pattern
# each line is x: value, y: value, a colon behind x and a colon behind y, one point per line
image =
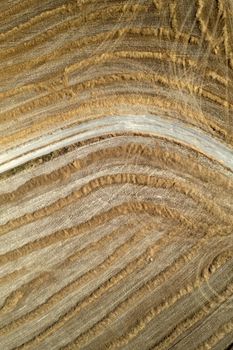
x: 116, y: 174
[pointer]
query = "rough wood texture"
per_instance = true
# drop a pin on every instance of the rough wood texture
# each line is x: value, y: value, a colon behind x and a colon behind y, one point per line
x: 116, y: 174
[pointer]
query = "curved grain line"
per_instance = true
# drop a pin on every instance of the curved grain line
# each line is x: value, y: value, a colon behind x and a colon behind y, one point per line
x: 155, y: 281
x: 163, y: 276
x: 162, y: 31
x: 225, y: 329
x: 46, y: 157
x: 198, y: 317
x: 187, y: 114
x: 42, y: 86
x: 151, y: 78
x: 114, y: 34
x: 20, y: 292
x: 21, y: 5
x: 135, y: 264
x: 62, y: 104
x: 72, y: 91
x: 118, y: 253
x: 9, y: 277
x: 183, y: 325
x: 129, y: 150
x: 37, y: 19
x: 86, y: 190
x: 73, y: 23
x: 30, y: 247
x: 16, y: 296
x: 99, y: 219
x: 57, y: 94
x: 108, y: 180
x: 168, y: 158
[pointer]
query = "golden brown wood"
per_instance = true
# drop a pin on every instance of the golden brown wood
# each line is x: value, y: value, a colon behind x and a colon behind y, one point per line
x: 116, y: 174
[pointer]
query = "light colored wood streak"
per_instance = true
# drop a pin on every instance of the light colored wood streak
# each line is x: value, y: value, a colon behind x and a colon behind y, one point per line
x: 102, y: 105
x: 129, y: 150
x: 116, y: 174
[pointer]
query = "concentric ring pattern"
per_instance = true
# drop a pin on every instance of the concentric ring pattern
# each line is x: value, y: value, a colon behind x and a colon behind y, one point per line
x: 116, y: 174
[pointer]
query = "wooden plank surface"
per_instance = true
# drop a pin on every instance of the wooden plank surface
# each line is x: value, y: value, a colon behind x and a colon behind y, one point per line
x: 116, y: 174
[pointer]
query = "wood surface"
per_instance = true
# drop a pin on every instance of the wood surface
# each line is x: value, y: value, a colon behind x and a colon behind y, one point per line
x: 116, y: 174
